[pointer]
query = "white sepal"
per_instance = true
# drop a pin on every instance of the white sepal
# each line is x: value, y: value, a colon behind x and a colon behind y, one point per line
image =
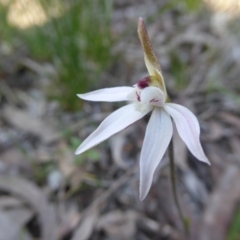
x: 115, y: 122
x: 158, y: 135
x: 188, y: 129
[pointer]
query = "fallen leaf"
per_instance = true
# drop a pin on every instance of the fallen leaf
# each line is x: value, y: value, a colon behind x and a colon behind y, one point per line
x: 117, y: 142
x: 20, y: 216
x: 87, y: 226
x: 222, y: 204
x: 8, y: 230
x: 33, y: 196
x: 22, y: 120
x: 10, y: 202
x: 230, y: 119
x: 118, y: 223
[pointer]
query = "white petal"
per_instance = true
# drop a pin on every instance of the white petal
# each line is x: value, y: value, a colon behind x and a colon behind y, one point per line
x: 153, y: 95
x: 114, y: 123
x: 114, y: 94
x: 188, y: 129
x: 157, y: 138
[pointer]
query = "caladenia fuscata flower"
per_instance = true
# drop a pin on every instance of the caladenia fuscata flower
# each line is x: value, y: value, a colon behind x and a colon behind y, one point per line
x: 149, y: 94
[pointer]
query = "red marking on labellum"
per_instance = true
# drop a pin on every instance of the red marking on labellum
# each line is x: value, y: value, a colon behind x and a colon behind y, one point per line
x: 154, y: 100
x: 145, y: 82
x: 138, y: 97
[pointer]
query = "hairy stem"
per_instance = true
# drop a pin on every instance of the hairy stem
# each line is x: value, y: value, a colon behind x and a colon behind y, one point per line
x: 184, y: 220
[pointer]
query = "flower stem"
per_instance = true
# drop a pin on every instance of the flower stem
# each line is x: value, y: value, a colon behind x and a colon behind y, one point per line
x: 185, y: 221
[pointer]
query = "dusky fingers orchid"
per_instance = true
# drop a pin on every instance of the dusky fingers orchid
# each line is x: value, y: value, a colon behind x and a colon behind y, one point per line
x: 149, y: 94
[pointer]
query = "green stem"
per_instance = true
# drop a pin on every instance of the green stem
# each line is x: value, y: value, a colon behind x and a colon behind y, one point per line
x: 185, y: 221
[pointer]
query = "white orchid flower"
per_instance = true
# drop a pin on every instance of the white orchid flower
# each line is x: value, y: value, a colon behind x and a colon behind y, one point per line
x: 149, y: 94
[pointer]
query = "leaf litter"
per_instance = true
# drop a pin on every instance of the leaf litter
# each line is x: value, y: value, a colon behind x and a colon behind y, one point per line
x: 98, y: 199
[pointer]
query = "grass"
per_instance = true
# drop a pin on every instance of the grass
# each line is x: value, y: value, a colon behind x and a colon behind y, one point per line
x: 76, y: 39
x: 234, y: 231
x: 179, y: 70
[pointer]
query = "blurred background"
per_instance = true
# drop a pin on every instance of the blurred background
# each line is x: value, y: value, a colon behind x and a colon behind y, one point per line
x: 52, y: 50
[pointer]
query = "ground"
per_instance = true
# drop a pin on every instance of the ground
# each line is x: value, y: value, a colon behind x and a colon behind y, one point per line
x: 48, y: 193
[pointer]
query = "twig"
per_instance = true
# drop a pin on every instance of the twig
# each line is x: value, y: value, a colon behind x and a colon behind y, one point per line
x: 101, y: 200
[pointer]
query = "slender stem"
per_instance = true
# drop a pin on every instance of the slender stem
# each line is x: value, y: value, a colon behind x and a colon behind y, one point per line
x: 174, y: 189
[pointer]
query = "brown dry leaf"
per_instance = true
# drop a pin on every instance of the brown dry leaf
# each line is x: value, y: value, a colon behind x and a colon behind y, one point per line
x: 230, y: 119
x: 216, y: 155
x: 221, y: 206
x: 66, y: 160
x: 43, y: 154
x: 20, y: 216
x: 215, y: 131
x: 69, y: 217
x: 235, y: 145
x: 117, y: 142
x: 92, y: 211
x: 148, y: 224
x: 32, y: 195
x: 41, y: 69
x: 13, y: 219
x: 118, y: 224
x: 87, y: 226
x: 8, y: 229
x: 15, y: 158
x: 10, y: 202
x: 67, y: 167
x: 22, y: 120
